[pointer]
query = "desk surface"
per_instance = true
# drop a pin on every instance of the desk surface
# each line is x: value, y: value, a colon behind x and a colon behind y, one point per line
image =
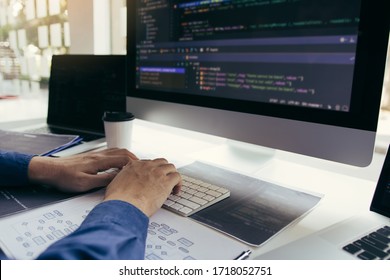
x: 347, y: 190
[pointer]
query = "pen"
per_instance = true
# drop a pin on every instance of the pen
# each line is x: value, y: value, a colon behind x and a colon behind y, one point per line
x: 244, y: 255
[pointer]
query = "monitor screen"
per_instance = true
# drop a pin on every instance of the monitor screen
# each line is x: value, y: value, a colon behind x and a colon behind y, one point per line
x: 298, y: 75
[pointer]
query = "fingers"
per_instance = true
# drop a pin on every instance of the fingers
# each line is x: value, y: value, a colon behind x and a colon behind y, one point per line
x: 168, y: 169
x: 107, y: 159
x: 173, y: 177
x: 176, y: 182
x: 99, y: 180
x: 164, y: 165
x: 114, y: 152
x: 161, y: 168
x: 109, y: 162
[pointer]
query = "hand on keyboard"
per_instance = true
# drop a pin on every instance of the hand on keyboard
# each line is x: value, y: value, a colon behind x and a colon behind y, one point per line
x: 195, y: 195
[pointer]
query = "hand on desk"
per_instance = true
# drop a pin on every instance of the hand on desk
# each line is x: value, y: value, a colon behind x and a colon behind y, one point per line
x: 78, y: 173
x: 113, y: 229
x: 144, y: 183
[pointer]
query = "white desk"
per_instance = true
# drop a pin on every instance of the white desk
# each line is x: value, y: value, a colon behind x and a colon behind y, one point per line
x: 348, y: 190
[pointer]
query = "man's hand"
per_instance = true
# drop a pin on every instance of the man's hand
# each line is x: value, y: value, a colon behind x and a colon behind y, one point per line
x: 145, y: 183
x: 78, y: 173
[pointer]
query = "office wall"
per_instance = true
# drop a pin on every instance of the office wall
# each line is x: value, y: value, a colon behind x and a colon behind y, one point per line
x: 80, y: 16
x: 97, y: 26
x: 118, y: 26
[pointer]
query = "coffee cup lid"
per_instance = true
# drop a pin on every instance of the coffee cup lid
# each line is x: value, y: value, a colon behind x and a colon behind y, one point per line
x: 117, y: 116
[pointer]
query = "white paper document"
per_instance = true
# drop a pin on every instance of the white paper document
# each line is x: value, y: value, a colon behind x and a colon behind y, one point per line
x: 170, y: 236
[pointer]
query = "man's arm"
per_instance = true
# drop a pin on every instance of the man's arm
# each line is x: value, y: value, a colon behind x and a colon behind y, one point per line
x: 117, y: 228
x: 113, y: 230
x: 78, y: 173
x: 14, y: 168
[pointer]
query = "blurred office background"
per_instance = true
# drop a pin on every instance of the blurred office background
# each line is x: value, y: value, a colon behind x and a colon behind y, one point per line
x: 32, y: 31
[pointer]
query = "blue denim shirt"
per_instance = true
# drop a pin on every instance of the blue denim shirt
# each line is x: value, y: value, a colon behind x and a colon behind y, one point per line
x: 112, y: 230
x: 14, y: 168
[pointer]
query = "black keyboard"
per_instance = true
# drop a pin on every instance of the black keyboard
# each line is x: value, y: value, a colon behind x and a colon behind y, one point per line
x: 373, y: 246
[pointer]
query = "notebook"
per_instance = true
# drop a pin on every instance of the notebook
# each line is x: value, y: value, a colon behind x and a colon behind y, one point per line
x: 363, y: 236
x: 81, y: 88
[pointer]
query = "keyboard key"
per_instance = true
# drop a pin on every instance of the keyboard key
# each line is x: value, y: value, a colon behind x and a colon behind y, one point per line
x: 169, y: 202
x: 186, y: 210
x: 192, y: 191
x: 212, y: 187
x: 221, y: 190
x: 174, y: 197
x: 366, y: 256
x: 198, y: 200
x: 188, y: 203
x: 176, y: 206
x: 209, y: 197
x: 352, y: 249
x: 185, y: 195
x: 213, y: 193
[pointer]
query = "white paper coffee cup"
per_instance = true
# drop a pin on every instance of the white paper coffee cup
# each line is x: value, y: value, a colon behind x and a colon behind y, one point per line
x: 118, y: 129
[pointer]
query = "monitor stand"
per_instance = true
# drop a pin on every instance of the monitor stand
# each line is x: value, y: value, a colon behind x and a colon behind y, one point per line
x: 237, y: 155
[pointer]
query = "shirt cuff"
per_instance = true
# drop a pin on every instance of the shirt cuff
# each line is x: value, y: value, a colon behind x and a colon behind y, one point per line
x: 14, y: 169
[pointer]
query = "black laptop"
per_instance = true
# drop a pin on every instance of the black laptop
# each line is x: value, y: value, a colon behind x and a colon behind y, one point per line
x: 81, y: 88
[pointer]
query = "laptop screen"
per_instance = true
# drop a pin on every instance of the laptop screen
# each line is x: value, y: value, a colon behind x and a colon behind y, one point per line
x: 381, y: 200
x: 82, y: 87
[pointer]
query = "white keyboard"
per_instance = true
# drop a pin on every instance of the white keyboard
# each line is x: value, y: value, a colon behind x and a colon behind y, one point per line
x: 194, y: 196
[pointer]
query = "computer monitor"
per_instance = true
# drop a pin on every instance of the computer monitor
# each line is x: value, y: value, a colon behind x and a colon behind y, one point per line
x: 303, y: 76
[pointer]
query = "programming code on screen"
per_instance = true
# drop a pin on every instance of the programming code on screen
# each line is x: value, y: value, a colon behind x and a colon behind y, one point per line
x: 276, y: 51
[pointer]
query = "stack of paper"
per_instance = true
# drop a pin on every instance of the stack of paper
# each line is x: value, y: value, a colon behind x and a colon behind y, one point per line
x: 38, y: 144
